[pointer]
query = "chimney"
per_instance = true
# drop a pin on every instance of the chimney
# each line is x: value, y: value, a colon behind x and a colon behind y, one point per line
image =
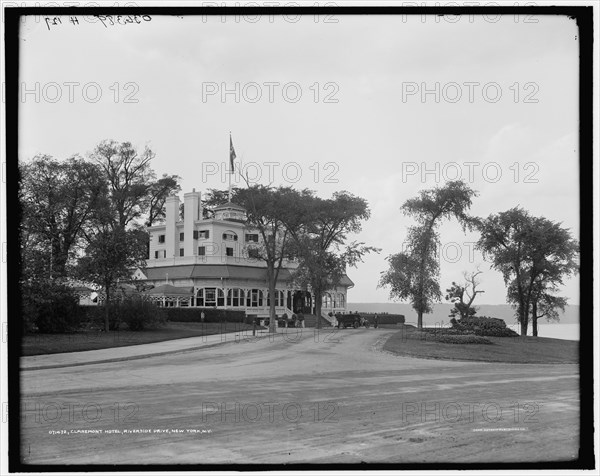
x: 191, y: 213
x: 172, y: 217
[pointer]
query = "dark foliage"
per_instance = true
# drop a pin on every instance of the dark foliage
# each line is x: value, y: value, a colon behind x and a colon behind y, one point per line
x: 384, y: 318
x: 482, y: 326
x: 449, y: 338
x: 179, y: 314
x: 51, y: 308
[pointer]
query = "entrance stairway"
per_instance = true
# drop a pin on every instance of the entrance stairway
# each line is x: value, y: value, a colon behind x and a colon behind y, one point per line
x: 310, y: 320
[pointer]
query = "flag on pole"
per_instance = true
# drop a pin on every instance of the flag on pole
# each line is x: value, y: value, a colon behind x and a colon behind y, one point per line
x: 231, y: 153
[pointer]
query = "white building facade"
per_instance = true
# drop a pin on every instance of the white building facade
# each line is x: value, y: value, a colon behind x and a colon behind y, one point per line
x: 209, y: 261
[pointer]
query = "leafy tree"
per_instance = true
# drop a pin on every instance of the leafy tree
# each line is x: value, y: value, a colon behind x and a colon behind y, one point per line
x: 214, y: 197
x: 429, y: 209
x: 266, y: 215
x: 456, y: 294
x: 158, y: 191
x: 413, y: 277
x: 109, y: 257
x: 133, y: 190
x: 546, y: 305
x: 320, y: 228
x: 58, y: 200
x: 532, y: 253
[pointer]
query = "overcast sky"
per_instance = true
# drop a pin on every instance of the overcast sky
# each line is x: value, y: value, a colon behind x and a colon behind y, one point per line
x: 335, y: 103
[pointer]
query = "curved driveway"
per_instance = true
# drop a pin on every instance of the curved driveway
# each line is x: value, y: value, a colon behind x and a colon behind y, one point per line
x: 332, y: 397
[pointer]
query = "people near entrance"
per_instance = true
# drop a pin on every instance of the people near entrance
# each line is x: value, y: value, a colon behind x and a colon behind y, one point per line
x: 338, y: 315
x: 301, y: 319
x: 376, y: 321
x: 202, y: 316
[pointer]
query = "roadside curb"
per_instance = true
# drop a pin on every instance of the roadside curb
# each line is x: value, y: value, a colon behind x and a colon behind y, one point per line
x: 141, y: 356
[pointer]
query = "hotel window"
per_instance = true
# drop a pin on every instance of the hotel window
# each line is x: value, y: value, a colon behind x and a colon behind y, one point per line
x: 327, y: 300
x: 229, y: 251
x: 201, y: 251
x: 156, y: 255
x: 341, y: 301
x: 181, y: 237
x: 278, y: 298
x: 180, y: 251
x: 252, y: 237
x: 210, y: 296
x: 254, y: 298
x: 201, y: 234
x: 235, y: 297
x: 229, y: 236
x: 161, y: 238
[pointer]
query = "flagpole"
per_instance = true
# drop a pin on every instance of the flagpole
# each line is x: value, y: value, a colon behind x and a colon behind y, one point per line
x: 230, y: 168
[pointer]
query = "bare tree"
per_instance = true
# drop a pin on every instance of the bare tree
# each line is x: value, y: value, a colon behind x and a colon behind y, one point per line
x: 463, y: 296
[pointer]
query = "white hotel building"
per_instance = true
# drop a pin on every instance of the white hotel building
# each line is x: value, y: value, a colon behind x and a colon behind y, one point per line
x: 204, y: 262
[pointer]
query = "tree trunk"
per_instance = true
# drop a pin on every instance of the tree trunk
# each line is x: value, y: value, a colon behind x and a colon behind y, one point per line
x: 420, y: 319
x: 523, y: 320
x: 524, y: 328
x: 106, y: 310
x: 272, y: 310
x: 534, y: 319
x: 272, y: 313
x: 318, y: 304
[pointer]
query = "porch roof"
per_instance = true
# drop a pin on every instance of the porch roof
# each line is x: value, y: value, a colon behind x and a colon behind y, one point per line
x: 169, y: 290
x: 224, y: 271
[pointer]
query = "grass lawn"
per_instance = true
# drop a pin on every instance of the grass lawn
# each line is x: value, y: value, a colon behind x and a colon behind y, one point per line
x: 36, y: 344
x: 518, y: 350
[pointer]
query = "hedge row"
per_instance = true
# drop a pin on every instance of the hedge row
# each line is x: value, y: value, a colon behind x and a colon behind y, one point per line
x: 384, y: 318
x: 194, y: 314
x: 138, y: 314
x: 449, y: 338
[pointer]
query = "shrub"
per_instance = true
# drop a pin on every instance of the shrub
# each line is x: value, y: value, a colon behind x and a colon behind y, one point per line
x: 137, y: 313
x: 140, y: 314
x: 193, y: 314
x: 482, y: 326
x: 51, y: 309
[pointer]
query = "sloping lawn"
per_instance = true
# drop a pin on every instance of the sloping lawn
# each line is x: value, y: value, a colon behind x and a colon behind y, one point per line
x: 518, y: 350
x: 36, y: 344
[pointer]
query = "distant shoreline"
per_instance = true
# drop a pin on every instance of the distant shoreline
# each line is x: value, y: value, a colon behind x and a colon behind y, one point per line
x: 440, y: 314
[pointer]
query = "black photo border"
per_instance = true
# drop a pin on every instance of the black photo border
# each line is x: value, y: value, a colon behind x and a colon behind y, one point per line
x: 583, y: 15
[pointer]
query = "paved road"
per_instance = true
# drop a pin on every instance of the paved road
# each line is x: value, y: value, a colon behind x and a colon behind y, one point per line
x: 321, y: 398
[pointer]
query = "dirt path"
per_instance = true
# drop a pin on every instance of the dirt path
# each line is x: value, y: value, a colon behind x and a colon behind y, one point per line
x: 318, y: 398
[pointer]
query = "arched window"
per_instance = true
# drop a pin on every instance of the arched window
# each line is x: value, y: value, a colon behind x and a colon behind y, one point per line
x: 235, y: 297
x: 230, y: 236
x: 278, y: 298
x: 209, y: 297
x: 327, y: 303
x: 254, y: 298
x: 342, y: 300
